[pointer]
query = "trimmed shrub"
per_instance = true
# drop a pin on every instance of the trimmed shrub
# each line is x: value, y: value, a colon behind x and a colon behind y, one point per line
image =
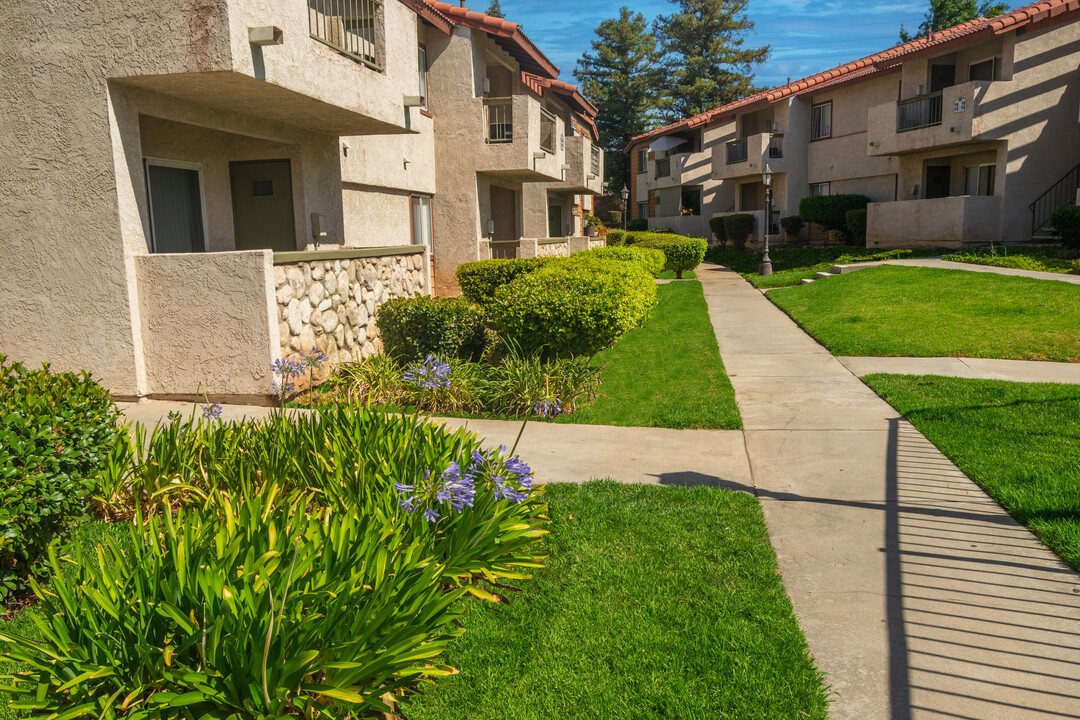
x: 716, y: 225
x: 681, y: 254
x: 856, y: 226
x: 567, y: 309
x: 616, y: 237
x: 479, y: 280
x: 614, y: 217
x: 737, y: 228
x: 792, y: 225
x: 830, y: 211
x: 412, y: 328
x: 1066, y: 222
x: 57, y: 431
x: 649, y: 259
x: 638, y: 224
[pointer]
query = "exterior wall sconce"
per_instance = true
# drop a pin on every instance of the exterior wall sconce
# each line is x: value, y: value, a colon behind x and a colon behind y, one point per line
x: 265, y: 35
x: 875, y: 143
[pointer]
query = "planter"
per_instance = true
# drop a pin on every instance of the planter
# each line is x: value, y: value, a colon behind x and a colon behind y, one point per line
x: 590, y: 231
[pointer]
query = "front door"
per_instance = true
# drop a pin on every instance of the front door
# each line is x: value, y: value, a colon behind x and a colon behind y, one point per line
x: 503, y: 214
x: 555, y: 226
x: 937, y: 181
x: 263, y: 205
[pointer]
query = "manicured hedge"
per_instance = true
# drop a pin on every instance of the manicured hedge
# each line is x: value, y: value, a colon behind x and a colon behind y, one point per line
x: 681, y: 254
x: 413, y: 328
x: 573, y: 309
x: 616, y: 237
x: 1066, y: 221
x: 479, y: 280
x: 792, y: 225
x: 57, y: 431
x: 830, y: 211
x: 856, y: 226
x: 637, y: 224
x: 649, y: 259
x: 738, y: 227
x: 716, y: 225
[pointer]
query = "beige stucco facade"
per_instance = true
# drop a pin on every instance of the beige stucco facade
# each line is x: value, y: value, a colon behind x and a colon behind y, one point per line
x: 955, y: 143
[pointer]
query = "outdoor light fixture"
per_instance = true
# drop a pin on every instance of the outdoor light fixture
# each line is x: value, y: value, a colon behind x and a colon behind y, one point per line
x: 765, y: 268
x: 625, y: 205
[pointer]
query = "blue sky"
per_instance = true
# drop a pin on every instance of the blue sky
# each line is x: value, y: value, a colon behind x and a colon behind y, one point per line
x: 806, y: 35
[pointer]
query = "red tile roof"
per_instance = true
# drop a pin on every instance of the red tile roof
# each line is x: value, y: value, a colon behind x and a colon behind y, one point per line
x: 506, y: 34
x: 584, y: 109
x: 429, y: 13
x: 879, y: 63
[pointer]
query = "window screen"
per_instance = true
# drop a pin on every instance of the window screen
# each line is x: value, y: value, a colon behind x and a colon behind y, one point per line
x: 821, y: 121
x: 979, y: 180
x: 421, y: 220
x: 176, y: 221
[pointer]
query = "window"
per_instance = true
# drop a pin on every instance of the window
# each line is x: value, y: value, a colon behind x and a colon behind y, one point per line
x: 421, y: 220
x: 979, y: 180
x: 663, y: 167
x: 819, y: 189
x: 986, y: 70
x: 177, y: 217
x: 642, y: 160
x: 422, y: 71
x: 821, y: 121
x: 643, y: 210
x: 547, y: 131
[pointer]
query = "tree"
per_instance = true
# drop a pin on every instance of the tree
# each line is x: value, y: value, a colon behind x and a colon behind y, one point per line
x: 620, y: 77
x: 946, y: 13
x: 704, y: 60
x: 494, y: 10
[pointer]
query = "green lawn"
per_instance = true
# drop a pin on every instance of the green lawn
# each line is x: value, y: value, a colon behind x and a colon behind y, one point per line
x: 656, y: 602
x: 929, y: 312
x: 1045, y: 258
x: 1019, y: 441
x: 667, y: 373
x: 84, y: 538
x: 670, y: 275
x: 792, y: 264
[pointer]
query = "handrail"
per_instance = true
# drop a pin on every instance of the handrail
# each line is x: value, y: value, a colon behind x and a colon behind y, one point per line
x: 349, y: 26
x: 1061, y: 194
x: 499, y: 119
x: 737, y: 151
x: 919, y: 112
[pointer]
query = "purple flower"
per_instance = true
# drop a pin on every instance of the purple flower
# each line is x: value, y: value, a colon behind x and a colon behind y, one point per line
x: 211, y: 411
x: 430, y: 515
x: 312, y: 360
x: 429, y: 374
x: 548, y: 408
x: 286, y: 369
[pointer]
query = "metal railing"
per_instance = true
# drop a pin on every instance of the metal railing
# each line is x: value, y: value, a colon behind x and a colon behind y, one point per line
x: 594, y: 160
x: 547, y: 131
x: 349, y: 26
x: 1061, y: 194
x: 504, y: 249
x: 663, y: 168
x: 919, y: 112
x: 736, y: 151
x: 776, y: 145
x: 499, y: 119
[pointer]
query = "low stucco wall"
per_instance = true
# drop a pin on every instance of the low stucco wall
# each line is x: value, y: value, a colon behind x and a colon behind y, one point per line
x: 207, y: 323
x: 688, y: 225
x: 949, y: 222
x: 330, y: 300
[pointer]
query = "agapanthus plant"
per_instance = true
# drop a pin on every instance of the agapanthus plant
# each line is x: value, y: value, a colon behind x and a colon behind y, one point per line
x: 454, y: 489
x: 428, y: 375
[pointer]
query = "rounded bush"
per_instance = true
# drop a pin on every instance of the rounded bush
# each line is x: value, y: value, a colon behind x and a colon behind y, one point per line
x: 792, y: 225
x: 574, y: 309
x: 738, y: 227
x: 856, y: 226
x: 616, y: 237
x: 716, y: 225
x: 1066, y: 222
x: 479, y: 280
x: 650, y: 260
x: 681, y: 254
x: 637, y: 224
x: 412, y: 328
x: 830, y: 211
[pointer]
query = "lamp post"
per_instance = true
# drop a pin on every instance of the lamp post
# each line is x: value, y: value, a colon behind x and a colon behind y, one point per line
x: 625, y: 205
x: 765, y: 268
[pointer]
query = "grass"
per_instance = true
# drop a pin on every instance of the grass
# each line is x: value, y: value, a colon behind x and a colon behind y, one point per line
x: 1019, y: 441
x: 667, y: 373
x: 1044, y: 258
x: 670, y: 275
x: 84, y: 538
x: 930, y: 312
x: 656, y: 602
x: 792, y: 264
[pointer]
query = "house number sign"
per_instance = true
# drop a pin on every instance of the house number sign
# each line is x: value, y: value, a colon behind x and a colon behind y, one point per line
x: 959, y: 105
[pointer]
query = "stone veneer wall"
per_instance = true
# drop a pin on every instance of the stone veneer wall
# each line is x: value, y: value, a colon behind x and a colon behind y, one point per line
x: 553, y: 249
x: 332, y: 304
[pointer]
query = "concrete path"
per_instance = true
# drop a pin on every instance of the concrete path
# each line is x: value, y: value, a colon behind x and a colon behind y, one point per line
x: 950, y: 265
x: 1033, y: 371
x: 920, y: 597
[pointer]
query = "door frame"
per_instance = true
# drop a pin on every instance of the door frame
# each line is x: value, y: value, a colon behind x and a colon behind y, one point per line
x: 926, y: 181
x: 292, y: 196
x: 181, y: 165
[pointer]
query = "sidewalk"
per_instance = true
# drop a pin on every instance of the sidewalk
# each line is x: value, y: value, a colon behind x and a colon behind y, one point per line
x: 950, y: 265
x: 919, y: 595
x: 1031, y: 371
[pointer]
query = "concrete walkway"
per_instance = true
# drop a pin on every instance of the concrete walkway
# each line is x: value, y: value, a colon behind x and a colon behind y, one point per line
x: 919, y: 595
x: 1032, y: 371
x: 950, y: 265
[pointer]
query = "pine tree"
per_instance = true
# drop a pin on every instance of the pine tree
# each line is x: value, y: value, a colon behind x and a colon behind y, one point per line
x: 705, y: 62
x: 946, y: 13
x: 620, y: 77
x: 494, y: 10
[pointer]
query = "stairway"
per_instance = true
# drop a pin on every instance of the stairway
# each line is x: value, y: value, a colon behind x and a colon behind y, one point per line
x: 1061, y: 194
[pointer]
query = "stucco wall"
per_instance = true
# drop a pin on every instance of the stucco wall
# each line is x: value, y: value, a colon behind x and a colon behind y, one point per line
x: 948, y: 222
x: 208, y: 323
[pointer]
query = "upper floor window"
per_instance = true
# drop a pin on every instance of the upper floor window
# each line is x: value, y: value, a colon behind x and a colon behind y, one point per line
x: 819, y: 189
x: 821, y: 121
x: 422, y: 70
x: 350, y: 27
x: 547, y: 131
x: 663, y: 167
x: 642, y: 160
x: 986, y: 70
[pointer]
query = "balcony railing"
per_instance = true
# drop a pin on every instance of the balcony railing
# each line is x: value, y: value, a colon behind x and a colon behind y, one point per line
x: 736, y: 151
x: 776, y: 146
x: 547, y: 131
x: 918, y: 112
x: 663, y: 168
x: 348, y: 26
x: 594, y: 161
x: 499, y: 119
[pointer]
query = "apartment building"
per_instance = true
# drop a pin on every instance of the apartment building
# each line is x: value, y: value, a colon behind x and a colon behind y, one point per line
x: 966, y: 136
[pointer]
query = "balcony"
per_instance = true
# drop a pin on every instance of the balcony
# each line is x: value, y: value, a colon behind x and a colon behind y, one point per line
x: 745, y: 157
x: 942, y: 119
x: 520, y: 140
x: 585, y: 167
x: 348, y: 26
x: 950, y: 222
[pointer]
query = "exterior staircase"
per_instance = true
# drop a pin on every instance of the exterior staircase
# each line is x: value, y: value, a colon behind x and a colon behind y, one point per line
x: 1061, y: 194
